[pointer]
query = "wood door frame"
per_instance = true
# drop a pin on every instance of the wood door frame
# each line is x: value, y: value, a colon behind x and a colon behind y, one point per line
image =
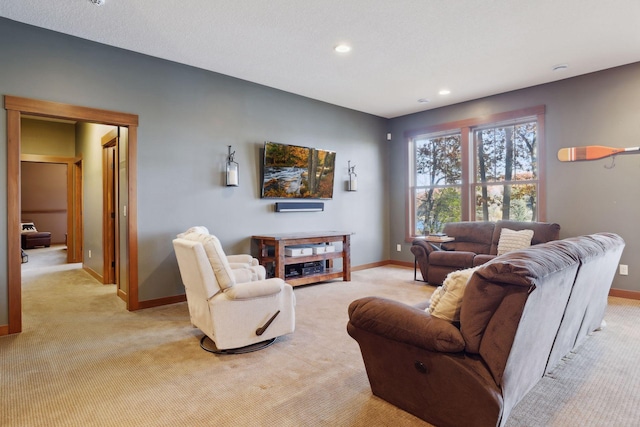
x: 78, y: 230
x: 110, y: 241
x: 16, y: 107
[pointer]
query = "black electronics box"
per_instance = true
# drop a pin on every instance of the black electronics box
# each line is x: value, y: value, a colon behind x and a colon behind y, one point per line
x: 314, y: 267
x: 303, y: 269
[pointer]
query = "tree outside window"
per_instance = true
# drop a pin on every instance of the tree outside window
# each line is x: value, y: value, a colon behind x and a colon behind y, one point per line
x: 506, y: 172
x: 438, y: 178
x: 477, y: 170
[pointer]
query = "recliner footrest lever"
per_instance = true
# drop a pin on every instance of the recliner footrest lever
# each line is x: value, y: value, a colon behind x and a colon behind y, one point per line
x: 264, y: 327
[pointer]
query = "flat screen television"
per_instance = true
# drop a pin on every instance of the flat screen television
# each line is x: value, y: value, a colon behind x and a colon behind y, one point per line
x: 295, y: 172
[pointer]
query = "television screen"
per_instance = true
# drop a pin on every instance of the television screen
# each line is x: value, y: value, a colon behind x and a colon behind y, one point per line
x: 295, y: 172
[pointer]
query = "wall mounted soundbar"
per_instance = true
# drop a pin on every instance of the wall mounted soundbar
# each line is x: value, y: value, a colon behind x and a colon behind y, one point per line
x: 300, y: 207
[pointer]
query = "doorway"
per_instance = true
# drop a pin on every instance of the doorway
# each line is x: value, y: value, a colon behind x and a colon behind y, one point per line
x: 110, y: 207
x: 17, y: 107
x: 59, y: 214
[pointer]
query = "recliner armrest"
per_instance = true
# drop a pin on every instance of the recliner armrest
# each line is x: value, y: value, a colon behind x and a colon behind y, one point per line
x: 459, y: 259
x: 242, y: 259
x: 237, y: 265
x: 257, y: 289
x: 421, y: 244
x: 403, y: 323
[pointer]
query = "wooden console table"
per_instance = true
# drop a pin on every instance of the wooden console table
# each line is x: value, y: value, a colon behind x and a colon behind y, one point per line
x: 271, y: 253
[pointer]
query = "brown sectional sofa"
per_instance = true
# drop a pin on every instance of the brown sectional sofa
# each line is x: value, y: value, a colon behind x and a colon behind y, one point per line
x: 521, y: 313
x: 475, y: 243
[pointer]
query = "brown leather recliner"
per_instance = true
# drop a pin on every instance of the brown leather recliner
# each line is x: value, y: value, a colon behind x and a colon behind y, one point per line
x: 520, y: 315
x: 475, y: 243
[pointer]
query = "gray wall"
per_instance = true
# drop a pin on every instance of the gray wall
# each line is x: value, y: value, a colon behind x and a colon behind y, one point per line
x: 88, y: 145
x: 583, y: 197
x: 187, y: 118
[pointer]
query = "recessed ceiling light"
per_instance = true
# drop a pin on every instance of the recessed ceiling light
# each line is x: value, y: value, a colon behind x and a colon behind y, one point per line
x: 423, y: 100
x: 444, y: 92
x: 342, y: 48
x: 560, y: 67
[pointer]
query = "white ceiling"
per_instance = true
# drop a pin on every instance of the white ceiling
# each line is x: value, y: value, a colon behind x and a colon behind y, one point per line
x: 403, y: 50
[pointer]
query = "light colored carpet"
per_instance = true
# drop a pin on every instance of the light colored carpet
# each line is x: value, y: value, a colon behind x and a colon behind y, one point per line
x: 83, y: 360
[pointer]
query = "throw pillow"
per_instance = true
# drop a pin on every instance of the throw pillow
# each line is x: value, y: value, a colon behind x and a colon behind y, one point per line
x: 447, y: 299
x: 217, y: 258
x: 511, y: 240
x: 28, y: 226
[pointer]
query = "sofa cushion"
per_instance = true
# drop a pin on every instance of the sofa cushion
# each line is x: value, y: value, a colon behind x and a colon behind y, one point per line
x: 504, y: 280
x: 447, y: 299
x: 469, y: 236
x: 511, y: 240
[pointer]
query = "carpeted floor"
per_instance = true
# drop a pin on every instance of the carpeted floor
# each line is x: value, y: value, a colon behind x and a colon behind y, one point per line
x: 83, y: 360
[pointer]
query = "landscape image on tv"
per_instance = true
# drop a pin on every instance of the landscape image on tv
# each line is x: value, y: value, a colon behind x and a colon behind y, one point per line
x: 291, y: 172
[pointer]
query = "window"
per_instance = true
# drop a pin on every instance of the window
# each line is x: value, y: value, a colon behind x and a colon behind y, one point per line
x: 476, y: 170
x: 506, y: 172
x: 438, y: 181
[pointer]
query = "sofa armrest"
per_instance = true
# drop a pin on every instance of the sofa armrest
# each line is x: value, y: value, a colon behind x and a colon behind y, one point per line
x: 458, y: 259
x: 257, y: 289
x: 403, y: 323
x: 421, y: 250
x: 423, y: 247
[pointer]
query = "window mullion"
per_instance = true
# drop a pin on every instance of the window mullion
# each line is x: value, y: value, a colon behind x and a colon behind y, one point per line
x: 467, y: 161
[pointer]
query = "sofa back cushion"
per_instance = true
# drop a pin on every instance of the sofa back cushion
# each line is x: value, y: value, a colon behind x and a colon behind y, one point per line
x: 469, y: 236
x: 599, y: 256
x: 542, y: 232
x: 496, y: 296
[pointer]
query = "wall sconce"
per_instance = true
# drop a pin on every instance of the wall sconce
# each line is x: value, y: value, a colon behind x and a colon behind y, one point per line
x: 352, y: 185
x: 231, y: 170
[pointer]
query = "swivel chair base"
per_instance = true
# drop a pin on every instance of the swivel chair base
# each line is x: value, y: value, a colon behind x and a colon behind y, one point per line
x: 207, y: 344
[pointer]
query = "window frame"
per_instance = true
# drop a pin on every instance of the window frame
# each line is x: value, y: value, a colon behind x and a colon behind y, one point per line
x: 466, y: 128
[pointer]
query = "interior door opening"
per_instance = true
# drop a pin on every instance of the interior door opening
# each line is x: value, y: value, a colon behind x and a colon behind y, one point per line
x: 126, y: 159
x: 110, y: 207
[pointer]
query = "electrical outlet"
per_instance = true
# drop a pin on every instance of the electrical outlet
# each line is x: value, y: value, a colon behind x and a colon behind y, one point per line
x: 624, y: 270
x: 399, y: 247
x: 89, y: 253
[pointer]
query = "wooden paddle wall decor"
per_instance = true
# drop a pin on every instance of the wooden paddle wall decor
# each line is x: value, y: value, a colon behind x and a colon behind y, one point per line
x: 592, y: 152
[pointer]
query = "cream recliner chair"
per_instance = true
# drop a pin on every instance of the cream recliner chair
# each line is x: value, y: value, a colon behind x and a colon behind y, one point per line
x: 236, y: 309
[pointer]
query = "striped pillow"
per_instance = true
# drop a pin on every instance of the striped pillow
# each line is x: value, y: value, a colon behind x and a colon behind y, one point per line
x: 511, y: 240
